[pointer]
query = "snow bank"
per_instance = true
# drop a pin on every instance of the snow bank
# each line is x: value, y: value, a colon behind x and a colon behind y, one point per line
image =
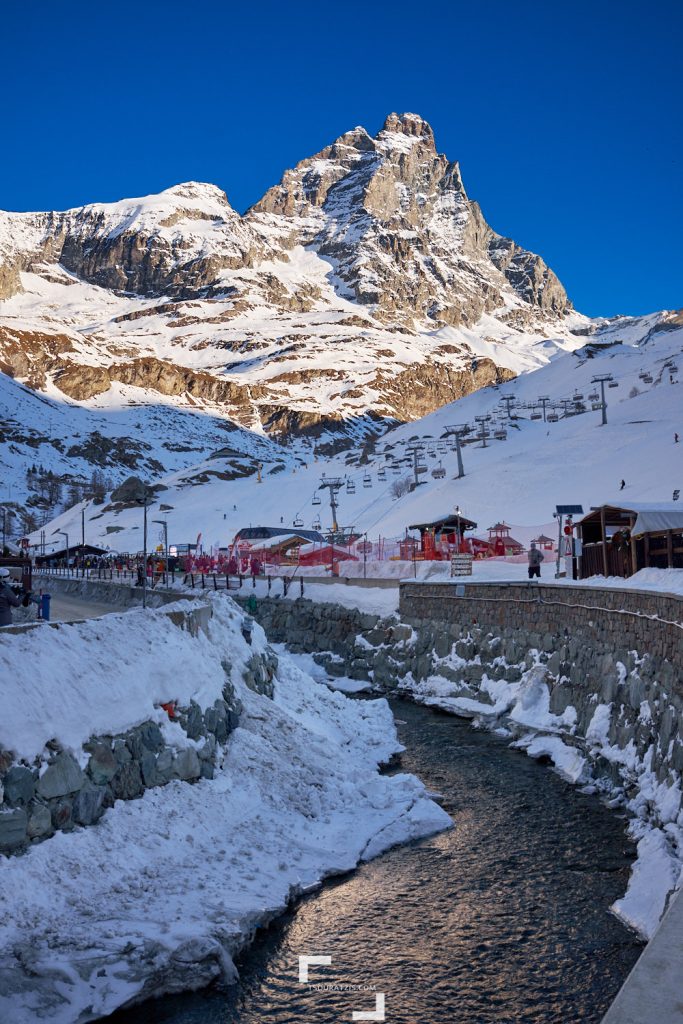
x: 107, y: 675
x: 669, y: 581
x: 653, y: 876
x: 162, y: 892
x: 375, y: 600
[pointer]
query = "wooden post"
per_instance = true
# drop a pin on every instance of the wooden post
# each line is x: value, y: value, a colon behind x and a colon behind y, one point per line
x: 669, y: 549
x: 634, y: 550
x: 603, y: 528
x: 646, y: 545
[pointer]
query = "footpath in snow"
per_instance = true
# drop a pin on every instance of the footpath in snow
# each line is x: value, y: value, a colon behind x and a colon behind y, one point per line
x: 164, y: 890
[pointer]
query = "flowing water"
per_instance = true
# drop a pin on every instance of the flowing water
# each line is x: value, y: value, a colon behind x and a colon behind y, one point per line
x: 502, y: 919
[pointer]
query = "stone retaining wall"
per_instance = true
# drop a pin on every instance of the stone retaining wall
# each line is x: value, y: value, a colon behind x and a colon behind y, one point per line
x: 629, y: 663
x: 625, y: 619
x: 36, y: 800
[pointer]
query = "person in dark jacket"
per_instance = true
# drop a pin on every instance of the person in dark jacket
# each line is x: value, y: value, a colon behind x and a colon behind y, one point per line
x: 8, y: 599
x: 535, y: 558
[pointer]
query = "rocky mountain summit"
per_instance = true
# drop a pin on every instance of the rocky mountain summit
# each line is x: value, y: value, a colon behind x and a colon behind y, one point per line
x: 365, y: 288
x: 393, y: 217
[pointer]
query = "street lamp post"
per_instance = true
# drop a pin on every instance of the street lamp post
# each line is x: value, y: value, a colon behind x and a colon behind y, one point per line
x: 4, y: 528
x: 164, y: 524
x: 144, y: 552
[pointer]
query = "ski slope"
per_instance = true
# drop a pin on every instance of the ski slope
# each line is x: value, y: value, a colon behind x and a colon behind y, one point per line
x: 575, y: 460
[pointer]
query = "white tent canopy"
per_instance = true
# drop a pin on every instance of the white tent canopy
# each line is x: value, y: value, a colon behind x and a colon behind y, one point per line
x: 658, y: 519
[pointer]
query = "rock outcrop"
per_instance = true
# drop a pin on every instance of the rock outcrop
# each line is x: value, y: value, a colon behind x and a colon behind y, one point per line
x: 347, y: 295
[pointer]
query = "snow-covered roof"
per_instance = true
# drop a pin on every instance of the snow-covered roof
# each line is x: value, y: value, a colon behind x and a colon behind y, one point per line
x: 654, y: 519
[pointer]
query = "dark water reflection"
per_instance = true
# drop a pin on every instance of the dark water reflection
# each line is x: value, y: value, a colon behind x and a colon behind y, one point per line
x: 503, y: 919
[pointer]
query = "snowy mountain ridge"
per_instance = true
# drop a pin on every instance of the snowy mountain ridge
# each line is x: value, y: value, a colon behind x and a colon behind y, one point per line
x: 312, y: 310
x: 364, y: 290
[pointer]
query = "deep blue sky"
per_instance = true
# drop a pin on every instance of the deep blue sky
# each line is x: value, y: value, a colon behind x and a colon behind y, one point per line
x: 566, y: 117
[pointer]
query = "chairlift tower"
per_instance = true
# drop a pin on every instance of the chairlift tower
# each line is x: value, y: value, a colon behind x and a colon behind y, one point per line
x: 543, y: 401
x: 483, y: 432
x: 333, y: 484
x: 458, y: 431
x: 602, y: 379
x: 509, y: 401
x: 416, y: 451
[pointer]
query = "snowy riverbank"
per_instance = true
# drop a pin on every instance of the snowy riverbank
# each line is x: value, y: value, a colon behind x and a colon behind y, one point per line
x: 521, y: 711
x: 161, y: 893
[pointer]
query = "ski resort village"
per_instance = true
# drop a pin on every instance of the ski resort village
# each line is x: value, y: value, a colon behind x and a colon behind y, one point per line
x: 341, y: 606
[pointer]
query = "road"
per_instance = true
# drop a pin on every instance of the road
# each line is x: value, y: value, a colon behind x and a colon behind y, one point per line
x: 66, y: 608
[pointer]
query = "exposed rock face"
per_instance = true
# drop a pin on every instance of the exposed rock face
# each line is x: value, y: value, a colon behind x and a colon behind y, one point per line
x: 342, y: 297
x: 175, y: 243
x: 393, y: 215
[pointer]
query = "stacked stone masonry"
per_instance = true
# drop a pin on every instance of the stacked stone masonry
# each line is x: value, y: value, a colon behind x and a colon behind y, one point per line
x: 41, y: 798
x: 594, y: 646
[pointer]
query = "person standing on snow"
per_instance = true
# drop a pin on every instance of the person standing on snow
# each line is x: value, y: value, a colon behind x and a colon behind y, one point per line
x: 535, y: 558
x: 8, y: 599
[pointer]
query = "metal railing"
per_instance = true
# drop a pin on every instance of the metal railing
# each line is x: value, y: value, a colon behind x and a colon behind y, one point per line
x: 194, y: 580
x: 225, y: 581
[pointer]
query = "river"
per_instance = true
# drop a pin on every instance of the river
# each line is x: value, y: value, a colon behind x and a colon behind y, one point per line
x: 502, y: 919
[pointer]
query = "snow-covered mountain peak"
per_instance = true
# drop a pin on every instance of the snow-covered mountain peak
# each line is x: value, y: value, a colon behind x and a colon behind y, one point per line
x: 364, y: 288
x: 412, y: 126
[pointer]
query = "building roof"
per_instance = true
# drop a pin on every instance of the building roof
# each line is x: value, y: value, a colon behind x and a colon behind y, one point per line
x: 278, y: 532
x: 447, y: 522
x: 622, y: 515
x: 75, y: 550
x: 657, y: 519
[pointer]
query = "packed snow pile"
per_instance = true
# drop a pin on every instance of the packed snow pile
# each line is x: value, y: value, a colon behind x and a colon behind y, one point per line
x: 163, y: 891
x: 107, y: 675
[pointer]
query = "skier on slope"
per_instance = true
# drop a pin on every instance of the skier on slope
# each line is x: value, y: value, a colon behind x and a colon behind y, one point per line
x: 535, y: 558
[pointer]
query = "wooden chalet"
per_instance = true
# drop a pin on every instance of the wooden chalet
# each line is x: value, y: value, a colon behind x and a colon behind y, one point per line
x: 501, y: 542
x: 441, y: 534
x: 543, y: 542
x: 618, y: 541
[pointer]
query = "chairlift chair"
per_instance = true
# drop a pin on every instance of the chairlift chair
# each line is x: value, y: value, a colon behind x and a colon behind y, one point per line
x: 298, y: 521
x: 553, y: 417
x: 577, y: 397
x: 381, y: 474
x: 350, y: 487
x: 367, y: 480
x: 594, y: 396
x: 317, y: 525
x: 316, y: 499
x: 439, y: 473
x: 536, y: 416
x: 596, y: 406
x: 613, y: 384
x: 647, y: 378
x: 500, y: 434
